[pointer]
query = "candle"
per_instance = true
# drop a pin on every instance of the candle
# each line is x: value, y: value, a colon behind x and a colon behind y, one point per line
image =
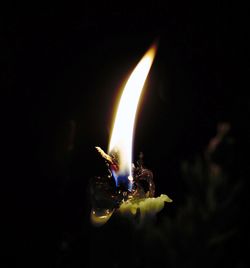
x: 128, y: 189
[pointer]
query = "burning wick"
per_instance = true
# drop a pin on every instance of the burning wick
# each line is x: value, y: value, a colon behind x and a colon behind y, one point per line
x: 128, y: 189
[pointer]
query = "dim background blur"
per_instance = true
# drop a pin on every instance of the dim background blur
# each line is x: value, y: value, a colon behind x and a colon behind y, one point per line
x: 67, y: 63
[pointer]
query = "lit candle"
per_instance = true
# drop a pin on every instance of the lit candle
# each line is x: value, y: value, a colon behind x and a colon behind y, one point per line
x: 128, y: 196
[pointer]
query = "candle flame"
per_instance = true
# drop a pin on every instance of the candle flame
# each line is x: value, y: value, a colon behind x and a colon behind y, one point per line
x: 122, y: 133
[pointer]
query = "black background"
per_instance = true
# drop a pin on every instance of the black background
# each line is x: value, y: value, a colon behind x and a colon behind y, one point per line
x: 67, y: 63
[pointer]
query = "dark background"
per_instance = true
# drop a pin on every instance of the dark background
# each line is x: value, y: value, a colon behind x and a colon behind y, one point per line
x: 67, y: 63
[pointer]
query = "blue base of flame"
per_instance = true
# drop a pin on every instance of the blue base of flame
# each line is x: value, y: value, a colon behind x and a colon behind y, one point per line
x: 122, y: 180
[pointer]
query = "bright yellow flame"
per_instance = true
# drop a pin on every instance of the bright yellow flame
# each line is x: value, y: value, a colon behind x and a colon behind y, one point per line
x: 122, y: 134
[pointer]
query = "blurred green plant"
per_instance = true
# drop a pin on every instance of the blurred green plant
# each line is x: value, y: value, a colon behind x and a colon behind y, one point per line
x: 205, y: 230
